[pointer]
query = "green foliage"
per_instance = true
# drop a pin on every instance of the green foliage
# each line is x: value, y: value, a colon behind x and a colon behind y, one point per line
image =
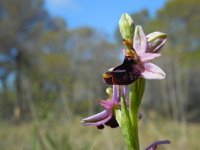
x: 49, y: 70
x: 71, y: 135
x: 182, y: 22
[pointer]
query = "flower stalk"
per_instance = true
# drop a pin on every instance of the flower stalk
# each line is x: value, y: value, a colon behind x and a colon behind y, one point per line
x: 135, y: 97
x: 120, y: 110
x: 129, y: 125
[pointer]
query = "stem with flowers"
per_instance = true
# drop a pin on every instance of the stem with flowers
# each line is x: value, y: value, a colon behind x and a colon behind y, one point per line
x: 120, y: 110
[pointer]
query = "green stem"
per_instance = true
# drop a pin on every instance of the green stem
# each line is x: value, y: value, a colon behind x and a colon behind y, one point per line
x: 135, y: 97
x: 132, y: 99
x: 133, y: 107
x: 135, y: 132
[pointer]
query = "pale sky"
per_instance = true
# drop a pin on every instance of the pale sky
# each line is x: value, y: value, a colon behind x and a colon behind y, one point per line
x: 102, y: 15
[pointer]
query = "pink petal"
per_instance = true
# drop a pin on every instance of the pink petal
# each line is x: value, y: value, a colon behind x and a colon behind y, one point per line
x: 148, y: 56
x: 97, y: 119
x: 107, y: 104
x: 139, y: 40
x: 151, y: 71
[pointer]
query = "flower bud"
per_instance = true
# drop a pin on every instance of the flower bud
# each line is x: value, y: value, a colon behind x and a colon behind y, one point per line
x: 126, y: 26
x: 109, y: 91
x: 155, y: 41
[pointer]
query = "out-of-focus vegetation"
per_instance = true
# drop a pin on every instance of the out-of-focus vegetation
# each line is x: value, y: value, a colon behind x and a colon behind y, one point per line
x: 70, y: 135
x: 46, y: 68
x: 49, y: 74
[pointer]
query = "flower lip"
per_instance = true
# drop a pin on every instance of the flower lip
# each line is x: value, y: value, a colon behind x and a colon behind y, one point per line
x: 124, y: 74
x: 112, y: 122
x: 107, y: 78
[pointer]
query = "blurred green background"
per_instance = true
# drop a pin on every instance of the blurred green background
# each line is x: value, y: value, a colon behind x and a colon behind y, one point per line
x: 51, y: 77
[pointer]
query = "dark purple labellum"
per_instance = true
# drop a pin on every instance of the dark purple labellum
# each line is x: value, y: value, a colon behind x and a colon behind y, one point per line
x: 124, y: 74
x: 112, y: 123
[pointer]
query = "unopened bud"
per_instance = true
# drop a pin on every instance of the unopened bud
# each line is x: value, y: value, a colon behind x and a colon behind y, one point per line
x: 126, y: 26
x: 109, y: 91
x: 155, y: 41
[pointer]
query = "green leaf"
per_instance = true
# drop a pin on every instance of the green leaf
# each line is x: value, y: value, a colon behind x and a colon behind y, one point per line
x: 126, y: 125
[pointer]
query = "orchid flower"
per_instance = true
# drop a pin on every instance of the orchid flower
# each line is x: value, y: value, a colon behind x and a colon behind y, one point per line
x: 136, y: 59
x: 107, y: 116
x: 154, y: 145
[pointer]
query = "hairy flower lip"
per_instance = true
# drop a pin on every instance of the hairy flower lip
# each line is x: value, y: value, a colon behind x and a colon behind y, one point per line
x: 124, y: 74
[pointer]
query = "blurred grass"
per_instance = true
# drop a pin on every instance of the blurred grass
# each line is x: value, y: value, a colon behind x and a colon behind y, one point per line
x: 71, y: 135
